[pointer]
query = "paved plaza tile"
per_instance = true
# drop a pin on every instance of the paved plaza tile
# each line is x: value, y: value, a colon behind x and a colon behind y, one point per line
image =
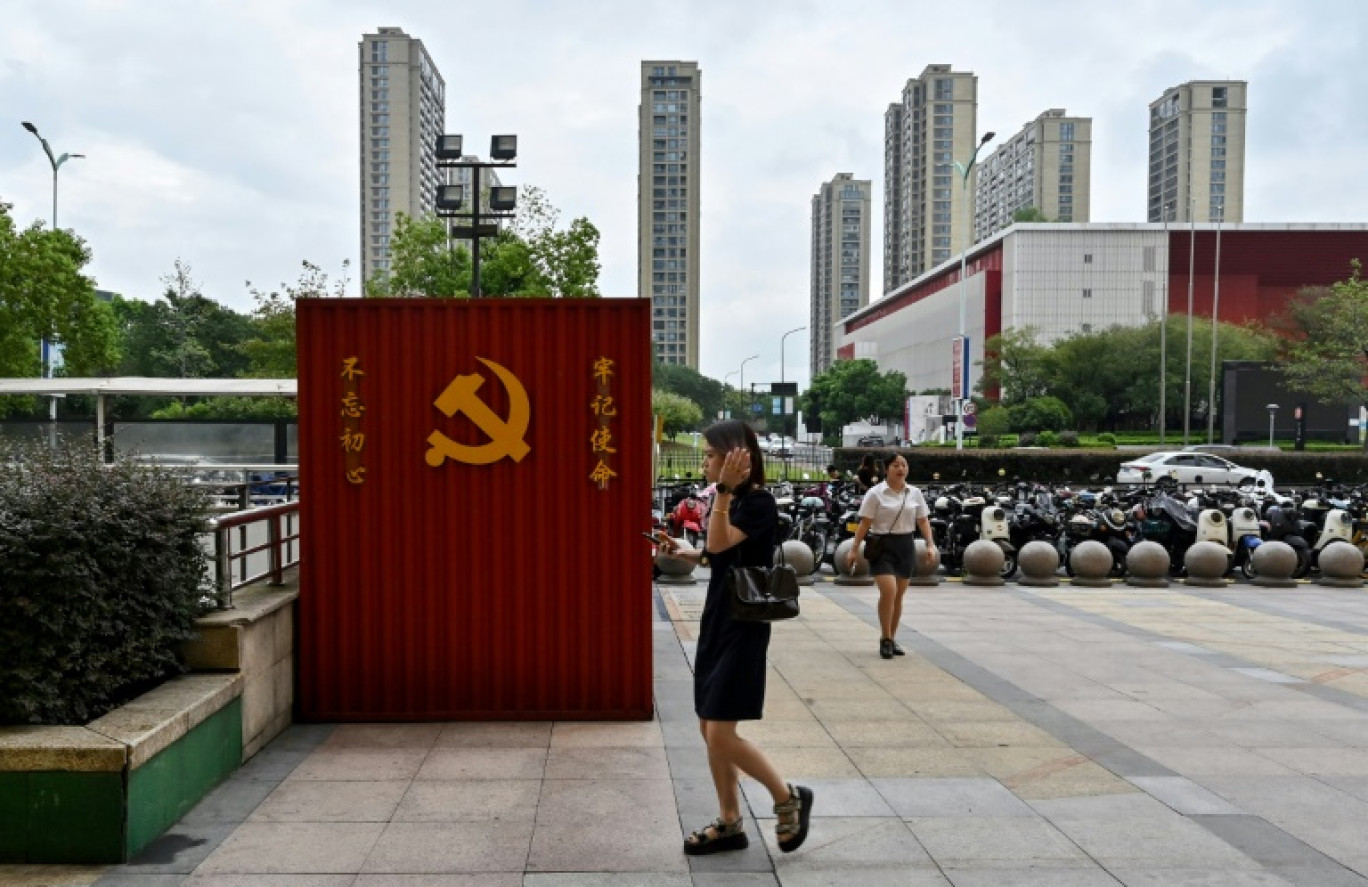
x: 1030, y: 738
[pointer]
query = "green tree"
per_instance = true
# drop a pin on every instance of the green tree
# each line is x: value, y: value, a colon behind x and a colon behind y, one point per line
x: 1041, y: 414
x: 688, y: 382
x: 851, y: 390
x: 1016, y: 366
x: 679, y: 413
x: 531, y: 257
x: 1326, y: 354
x: 271, y: 350
x: 44, y: 294
x: 1029, y: 214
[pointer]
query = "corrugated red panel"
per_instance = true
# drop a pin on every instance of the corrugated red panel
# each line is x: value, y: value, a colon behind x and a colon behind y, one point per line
x: 514, y: 589
x: 1260, y: 270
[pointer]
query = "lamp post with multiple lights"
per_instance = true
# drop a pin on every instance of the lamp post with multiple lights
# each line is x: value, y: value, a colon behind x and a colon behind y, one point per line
x: 450, y: 198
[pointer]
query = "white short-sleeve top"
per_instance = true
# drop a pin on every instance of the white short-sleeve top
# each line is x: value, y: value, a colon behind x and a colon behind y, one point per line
x: 881, y: 505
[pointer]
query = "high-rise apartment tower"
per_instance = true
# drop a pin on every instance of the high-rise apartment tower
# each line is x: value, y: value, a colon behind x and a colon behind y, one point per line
x: 667, y: 206
x: 403, y: 110
x: 1197, y: 152
x: 932, y: 127
x: 840, y: 261
x: 1048, y: 166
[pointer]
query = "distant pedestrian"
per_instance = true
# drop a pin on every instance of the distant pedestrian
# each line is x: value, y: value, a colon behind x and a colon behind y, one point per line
x: 729, y: 666
x: 893, y: 510
x: 867, y: 475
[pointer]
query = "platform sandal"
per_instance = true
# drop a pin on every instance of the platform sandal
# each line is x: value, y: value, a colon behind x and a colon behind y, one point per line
x: 725, y: 836
x: 794, y: 814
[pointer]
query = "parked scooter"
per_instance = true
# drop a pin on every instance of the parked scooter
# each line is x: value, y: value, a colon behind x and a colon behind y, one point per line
x: 688, y: 519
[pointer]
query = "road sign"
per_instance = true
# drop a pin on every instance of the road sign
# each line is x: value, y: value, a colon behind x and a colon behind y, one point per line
x: 959, y: 366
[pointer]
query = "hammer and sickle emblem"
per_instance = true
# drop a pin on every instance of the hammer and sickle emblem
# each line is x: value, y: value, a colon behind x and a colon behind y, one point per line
x: 505, y: 437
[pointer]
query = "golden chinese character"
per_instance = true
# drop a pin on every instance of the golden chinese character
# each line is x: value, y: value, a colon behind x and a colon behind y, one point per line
x: 603, y: 368
x: 357, y: 475
x: 352, y: 406
x: 350, y: 370
x: 600, y: 440
x: 601, y: 474
x: 353, y: 441
x: 603, y: 406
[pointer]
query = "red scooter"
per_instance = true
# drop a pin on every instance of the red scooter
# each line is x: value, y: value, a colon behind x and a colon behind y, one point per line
x: 688, y: 519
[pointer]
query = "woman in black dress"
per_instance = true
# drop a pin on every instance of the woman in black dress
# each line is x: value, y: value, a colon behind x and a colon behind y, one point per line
x: 729, y: 667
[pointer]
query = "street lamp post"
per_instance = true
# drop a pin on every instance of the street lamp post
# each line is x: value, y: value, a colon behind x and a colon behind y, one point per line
x: 1215, y: 324
x: 1192, y: 271
x: 502, y: 200
x: 1163, y: 331
x: 1272, y: 411
x: 742, y: 386
x: 56, y: 160
x: 964, y: 170
x: 783, y: 340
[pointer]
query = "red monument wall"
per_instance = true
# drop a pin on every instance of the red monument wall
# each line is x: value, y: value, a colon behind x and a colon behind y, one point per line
x: 474, y: 478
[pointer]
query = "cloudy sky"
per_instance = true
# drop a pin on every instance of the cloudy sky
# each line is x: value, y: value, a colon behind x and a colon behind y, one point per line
x: 225, y: 133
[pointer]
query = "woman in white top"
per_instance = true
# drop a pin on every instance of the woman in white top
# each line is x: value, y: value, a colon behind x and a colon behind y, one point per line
x: 892, y: 510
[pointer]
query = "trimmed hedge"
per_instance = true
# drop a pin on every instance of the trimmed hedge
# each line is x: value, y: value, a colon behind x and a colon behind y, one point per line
x: 101, y: 576
x: 1100, y: 466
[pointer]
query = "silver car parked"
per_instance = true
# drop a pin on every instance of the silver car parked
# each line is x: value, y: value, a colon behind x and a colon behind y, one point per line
x: 1187, y: 467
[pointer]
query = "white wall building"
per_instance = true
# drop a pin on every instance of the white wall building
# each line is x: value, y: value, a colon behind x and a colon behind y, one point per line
x: 1065, y: 279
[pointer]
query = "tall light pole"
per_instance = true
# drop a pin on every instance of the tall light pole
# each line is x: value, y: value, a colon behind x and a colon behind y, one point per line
x: 742, y: 371
x: 964, y: 170
x: 1192, y: 271
x: 1215, y: 324
x: 1163, y: 330
x: 56, y: 160
x: 783, y: 340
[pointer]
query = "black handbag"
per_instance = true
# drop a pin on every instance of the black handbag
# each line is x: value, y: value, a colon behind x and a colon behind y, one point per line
x: 763, y: 594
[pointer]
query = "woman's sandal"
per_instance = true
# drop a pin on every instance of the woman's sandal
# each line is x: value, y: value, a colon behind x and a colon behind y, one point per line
x: 794, y: 814
x: 725, y: 836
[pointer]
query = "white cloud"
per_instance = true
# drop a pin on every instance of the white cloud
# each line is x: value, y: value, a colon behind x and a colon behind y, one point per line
x: 225, y: 134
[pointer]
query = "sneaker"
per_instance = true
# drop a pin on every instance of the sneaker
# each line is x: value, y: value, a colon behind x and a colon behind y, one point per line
x: 897, y: 650
x: 886, y: 648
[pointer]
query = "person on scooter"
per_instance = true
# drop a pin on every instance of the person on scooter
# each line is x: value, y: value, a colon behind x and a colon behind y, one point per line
x: 892, y: 510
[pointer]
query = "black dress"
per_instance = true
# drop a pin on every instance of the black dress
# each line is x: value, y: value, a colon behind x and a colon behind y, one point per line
x: 729, y: 667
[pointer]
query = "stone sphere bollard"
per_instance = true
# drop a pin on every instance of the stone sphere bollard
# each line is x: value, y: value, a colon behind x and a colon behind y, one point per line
x: 983, y: 562
x: 799, y: 556
x: 1147, y: 565
x: 1092, y: 564
x: 676, y: 571
x: 1341, y: 566
x: 1274, y: 563
x: 926, y: 575
x: 1038, y: 562
x: 1206, y: 564
x: 858, y: 576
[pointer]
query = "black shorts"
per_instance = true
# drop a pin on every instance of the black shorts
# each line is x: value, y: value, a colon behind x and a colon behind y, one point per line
x: 899, y: 556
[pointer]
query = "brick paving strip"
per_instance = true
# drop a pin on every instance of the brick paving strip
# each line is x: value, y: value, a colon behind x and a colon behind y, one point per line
x: 1027, y: 739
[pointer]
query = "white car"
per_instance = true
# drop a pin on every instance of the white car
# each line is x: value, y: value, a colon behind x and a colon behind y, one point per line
x: 1188, y: 467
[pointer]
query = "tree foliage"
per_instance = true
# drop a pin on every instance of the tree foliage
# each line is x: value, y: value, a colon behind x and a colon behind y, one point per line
x: 45, y: 294
x: 1110, y: 379
x: 531, y: 257
x: 1029, y: 214
x: 853, y: 389
x: 678, y: 412
x: 1326, y: 352
x: 688, y: 382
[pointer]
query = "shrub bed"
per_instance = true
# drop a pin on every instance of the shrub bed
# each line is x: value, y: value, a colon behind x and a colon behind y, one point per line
x: 1100, y: 466
x: 101, y: 576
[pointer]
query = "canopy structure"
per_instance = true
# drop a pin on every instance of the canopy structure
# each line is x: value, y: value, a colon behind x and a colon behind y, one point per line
x: 135, y: 385
x: 143, y: 385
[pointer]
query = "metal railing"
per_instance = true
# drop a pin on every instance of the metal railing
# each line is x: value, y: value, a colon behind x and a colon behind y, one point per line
x: 281, y: 548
